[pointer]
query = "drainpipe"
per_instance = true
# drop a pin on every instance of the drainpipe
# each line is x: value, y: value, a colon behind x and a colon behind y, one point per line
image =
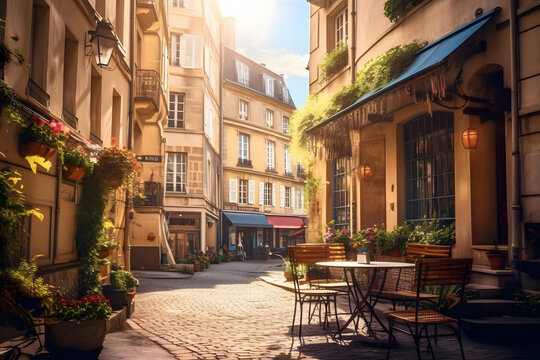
x: 220, y: 235
x: 515, y: 237
x: 353, y: 41
x: 128, y: 216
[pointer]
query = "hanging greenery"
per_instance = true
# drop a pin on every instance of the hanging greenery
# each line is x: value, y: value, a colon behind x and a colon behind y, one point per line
x: 334, y: 61
x: 90, y: 229
x: 310, y: 188
x: 396, y: 9
x: 374, y: 74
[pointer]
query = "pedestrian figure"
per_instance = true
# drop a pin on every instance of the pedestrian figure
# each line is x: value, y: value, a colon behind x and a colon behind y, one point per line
x: 240, y: 247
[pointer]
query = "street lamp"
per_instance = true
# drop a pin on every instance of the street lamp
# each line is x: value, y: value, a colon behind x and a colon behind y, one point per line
x: 103, y: 41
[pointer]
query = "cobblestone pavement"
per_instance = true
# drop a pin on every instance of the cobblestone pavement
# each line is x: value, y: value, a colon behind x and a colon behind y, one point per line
x: 226, y: 312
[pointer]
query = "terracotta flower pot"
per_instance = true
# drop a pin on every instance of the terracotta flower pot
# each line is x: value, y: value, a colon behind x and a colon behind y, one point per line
x: 74, y: 173
x: 103, y: 253
x: 497, y: 260
x: 196, y: 267
x: 33, y: 148
x: 112, y: 173
x: 67, y: 338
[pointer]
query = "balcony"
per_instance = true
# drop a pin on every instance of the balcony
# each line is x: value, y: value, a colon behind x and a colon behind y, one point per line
x: 152, y: 195
x: 148, y: 87
x: 300, y: 171
x: 244, y: 162
x: 271, y: 169
x: 147, y: 13
x: 288, y: 173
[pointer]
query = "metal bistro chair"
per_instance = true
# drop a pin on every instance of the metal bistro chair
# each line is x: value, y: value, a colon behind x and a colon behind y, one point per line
x: 322, y: 297
x: 429, y: 272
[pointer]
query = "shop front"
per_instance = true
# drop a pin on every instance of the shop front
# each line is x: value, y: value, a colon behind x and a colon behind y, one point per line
x: 247, y: 234
x: 288, y: 230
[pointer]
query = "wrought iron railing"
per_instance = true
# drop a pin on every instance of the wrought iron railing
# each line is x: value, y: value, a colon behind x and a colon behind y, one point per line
x: 148, y: 86
x: 36, y: 92
x: 153, y: 195
x: 244, y: 162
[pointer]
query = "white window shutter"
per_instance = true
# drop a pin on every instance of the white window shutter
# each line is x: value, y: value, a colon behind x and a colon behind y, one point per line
x: 197, y: 52
x: 282, y: 196
x: 261, y: 193
x: 191, y: 51
x: 185, y: 54
x: 233, y: 190
x: 293, y: 197
x: 273, y: 194
x: 302, y: 200
x: 251, y: 191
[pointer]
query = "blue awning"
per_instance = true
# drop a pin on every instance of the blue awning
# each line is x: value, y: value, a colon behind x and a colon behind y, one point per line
x: 247, y: 219
x: 428, y: 58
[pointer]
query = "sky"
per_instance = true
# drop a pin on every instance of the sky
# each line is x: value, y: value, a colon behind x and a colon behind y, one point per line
x: 276, y: 33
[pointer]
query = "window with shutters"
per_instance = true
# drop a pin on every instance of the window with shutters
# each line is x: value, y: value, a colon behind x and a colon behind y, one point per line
x: 243, y: 108
x: 243, y: 192
x: 191, y: 51
x: 175, y: 49
x: 299, y: 199
x: 176, y: 111
x: 176, y: 172
x: 242, y: 73
x: 233, y: 190
x: 268, y: 85
x: 269, y: 118
x: 270, y: 164
x: 284, y: 124
x: 208, y: 117
x: 268, y: 195
x: 287, y: 197
x: 251, y: 191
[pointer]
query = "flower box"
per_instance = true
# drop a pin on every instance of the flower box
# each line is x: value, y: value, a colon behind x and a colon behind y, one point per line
x: 104, y: 253
x: 74, y: 173
x: 32, y: 148
x: 68, y: 339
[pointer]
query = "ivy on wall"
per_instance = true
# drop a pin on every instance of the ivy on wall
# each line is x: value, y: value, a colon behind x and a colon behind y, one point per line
x: 334, y: 61
x: 396, y: 9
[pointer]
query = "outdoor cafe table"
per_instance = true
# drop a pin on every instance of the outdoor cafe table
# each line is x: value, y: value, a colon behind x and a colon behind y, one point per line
x: 362, y: 299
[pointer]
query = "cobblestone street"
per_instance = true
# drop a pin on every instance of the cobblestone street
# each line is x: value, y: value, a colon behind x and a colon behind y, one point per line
x: 227, y: 312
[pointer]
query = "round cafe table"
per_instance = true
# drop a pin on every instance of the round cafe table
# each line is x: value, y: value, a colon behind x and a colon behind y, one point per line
x: 362, y: 299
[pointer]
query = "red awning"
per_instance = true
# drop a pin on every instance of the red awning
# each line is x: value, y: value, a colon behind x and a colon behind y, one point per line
x: 298, y: 233
x: 285, y: 222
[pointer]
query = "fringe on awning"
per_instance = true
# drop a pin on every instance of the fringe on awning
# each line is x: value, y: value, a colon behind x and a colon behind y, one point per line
x: 333, y: 139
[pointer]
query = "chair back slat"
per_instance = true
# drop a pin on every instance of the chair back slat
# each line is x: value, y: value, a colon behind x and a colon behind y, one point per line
x: 442, y: 271
x: 333, y: 251
x: 415, y: 250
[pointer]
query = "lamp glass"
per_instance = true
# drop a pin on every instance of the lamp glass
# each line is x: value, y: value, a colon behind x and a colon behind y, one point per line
x: 469, y: 138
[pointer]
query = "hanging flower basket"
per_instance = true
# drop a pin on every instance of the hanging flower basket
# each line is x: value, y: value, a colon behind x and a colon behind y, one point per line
x: 69, y: 338
x: 33, y: 148
x: 74, y: 173
x: 118, y: 165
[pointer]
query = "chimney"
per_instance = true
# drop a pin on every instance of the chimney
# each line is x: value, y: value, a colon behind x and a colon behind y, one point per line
x: 228, y: 33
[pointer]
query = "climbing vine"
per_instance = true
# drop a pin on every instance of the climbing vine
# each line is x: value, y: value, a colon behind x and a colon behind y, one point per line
x: 396, y: 9
x: 334, y: 61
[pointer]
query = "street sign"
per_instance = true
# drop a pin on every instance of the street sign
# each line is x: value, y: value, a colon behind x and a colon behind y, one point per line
x: 149, y: 158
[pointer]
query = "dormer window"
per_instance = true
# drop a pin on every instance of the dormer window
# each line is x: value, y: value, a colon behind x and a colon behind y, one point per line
x: 242, y: 73
x: 268, y: 85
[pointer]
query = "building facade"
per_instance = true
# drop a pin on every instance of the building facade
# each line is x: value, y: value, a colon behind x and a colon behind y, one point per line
x: 192, y: 132
x: 61, y: 81
x: 263, y: 195
x: 406, y: 155
x: 150, y: 110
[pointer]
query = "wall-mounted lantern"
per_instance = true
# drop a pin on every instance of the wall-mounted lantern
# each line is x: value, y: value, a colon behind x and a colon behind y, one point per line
x: 365, y: 171
x: 469, y: 138
x: 103, y: 42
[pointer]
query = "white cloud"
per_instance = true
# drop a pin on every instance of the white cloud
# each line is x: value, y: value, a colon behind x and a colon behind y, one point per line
x: 281, y: 61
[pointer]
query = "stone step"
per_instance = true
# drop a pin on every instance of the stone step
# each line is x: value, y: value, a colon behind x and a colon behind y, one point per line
x: 484, y: 275
x: 479, y: 291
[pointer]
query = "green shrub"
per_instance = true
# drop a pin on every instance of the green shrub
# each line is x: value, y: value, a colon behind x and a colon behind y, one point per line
x: 433, y: 232
x: 334, y: 61
x: 396, y: 9
x: 123, y: 280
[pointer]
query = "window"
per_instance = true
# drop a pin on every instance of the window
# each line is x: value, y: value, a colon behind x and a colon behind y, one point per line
x: 70, y: 72
x: 285, y: 124
x: 175, y: 49
x: 268, y: 194
x: 183, y: 4
x: 287, y: 160
x: 233, y: 190
x: 191, y: 51
x: 176, y: 172
x: 176, y: 111
x: 95, y: 105
x: 270, y: 156
x: 269, y: 118
x: 429, y: 167
x: 242, y: 73
x: 243, y: 108
x: 340, y: 187
x: 342, y: 28
x: 268, y: 85
x: 243, y: 192
x: 243, y: 149
x: 116, y: 114
x: 300, y: 199
x: 208, y: 117
x: 287, y: 197
x: 39, y: 53
x: 285, y: 94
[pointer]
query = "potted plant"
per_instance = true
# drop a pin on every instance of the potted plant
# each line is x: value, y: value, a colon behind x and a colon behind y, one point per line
x: 103, y: 267
x: 496, y: 258
x: 287, y: 271
x: 121, y: 290
x: 76, y: 164
x: 77, y: 326
x: 40, y: 138
x: 363, y: 241
x: 118, y: 165
x: 107, y: 248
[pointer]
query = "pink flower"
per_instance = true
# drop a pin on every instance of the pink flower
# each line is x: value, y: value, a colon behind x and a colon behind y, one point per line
x: 369, y: 230
x: 371, y: 238
x: 344, y: 232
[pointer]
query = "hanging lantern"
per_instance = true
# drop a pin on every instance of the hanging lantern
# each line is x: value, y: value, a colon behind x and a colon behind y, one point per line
x: 103, y: 42
x: 469, y: 138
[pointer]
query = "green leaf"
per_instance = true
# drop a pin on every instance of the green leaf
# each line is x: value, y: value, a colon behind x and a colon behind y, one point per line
x: 36, y: 160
